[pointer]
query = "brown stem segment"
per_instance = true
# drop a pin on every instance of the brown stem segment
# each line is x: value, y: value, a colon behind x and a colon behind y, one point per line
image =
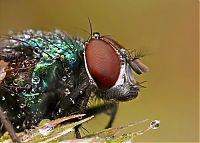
x: 8, y: 126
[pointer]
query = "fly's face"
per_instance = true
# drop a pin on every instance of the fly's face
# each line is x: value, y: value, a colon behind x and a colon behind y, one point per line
x: 110, y: 67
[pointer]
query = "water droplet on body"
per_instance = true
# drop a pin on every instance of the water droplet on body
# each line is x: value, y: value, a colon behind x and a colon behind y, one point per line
x: 3, y: 98
x: 35, y: 80
x: 13, y: 64
x: 15, y: 82
x: 27, y: 86
x: 67, y: 92
x: 19, y: 116
x: 81, y: 92
x: 22, y: 105
x: 26, y: 36
x: 32, y: 91
x: 72, y: 100
x: 39, y: 100
x: 64, y: 78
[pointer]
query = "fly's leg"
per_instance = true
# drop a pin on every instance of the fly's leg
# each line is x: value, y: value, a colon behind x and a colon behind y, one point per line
x: 76, y: 102
x: 112, y: 114
x: 82, y: 109
x: 112, y: 107
x: 77, y: 132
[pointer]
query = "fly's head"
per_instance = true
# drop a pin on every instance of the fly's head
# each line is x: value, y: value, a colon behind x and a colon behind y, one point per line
x: 110, y: 67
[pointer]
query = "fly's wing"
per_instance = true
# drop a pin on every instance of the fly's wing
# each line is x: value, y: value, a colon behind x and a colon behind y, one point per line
x: 11, y: 49
x: 16, y: 63
x: 12, y: 55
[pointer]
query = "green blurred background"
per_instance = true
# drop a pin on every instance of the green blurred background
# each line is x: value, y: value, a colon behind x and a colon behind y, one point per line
x: 166, y: 30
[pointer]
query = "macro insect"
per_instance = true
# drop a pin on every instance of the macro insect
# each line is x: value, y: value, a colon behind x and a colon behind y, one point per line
x: 51, y: 75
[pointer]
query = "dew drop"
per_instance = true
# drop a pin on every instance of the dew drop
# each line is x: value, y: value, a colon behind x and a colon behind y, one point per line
x: 18, y: 127
x: 23, y: 113
x: 27, y: 86
x: 64, y: 78
x: 23, y: 65
x: 62, y: 57
x: 22, y: 105
x: 3, y: 98
x: 26, y: 36
x: 73, y: 59
x: 35, y: 121
x: 155, y: 124
x: 40, y: 88
x: 32, y: 91
x: 39, y: 100
x: 72, y: 100
x: 24, y: 92
x: 59, y: 50
x: 13, y: 64
x: 59, y: 110
x: 57, y: 55
x: 35, y: 80
x: 41, y: 59
x: 19, y: 116
x: 67, y: 92
x: 70, y: 84
x: 26, y: 61
x: 15, y: 82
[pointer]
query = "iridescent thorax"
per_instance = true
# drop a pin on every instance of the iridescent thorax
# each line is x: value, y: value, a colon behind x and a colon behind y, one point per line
x: 43, y: 49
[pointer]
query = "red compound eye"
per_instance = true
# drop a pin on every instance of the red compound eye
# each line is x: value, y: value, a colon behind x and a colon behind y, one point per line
x: 103, y: 63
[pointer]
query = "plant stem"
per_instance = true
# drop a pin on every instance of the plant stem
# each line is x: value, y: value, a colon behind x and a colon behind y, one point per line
x: 8, y: 126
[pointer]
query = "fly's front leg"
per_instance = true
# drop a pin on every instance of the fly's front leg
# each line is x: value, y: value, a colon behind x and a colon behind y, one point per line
x: 75, y: 102
x: 112, y: 114
x: 82, y: 109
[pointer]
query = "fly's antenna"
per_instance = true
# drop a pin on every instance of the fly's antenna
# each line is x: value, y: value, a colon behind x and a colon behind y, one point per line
x: 90, y: 24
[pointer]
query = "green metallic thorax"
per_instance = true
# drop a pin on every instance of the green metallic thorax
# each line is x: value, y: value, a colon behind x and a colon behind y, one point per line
x: 51, y: 51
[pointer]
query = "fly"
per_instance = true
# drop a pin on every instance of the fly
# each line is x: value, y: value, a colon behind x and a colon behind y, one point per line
x: 51, y: 75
